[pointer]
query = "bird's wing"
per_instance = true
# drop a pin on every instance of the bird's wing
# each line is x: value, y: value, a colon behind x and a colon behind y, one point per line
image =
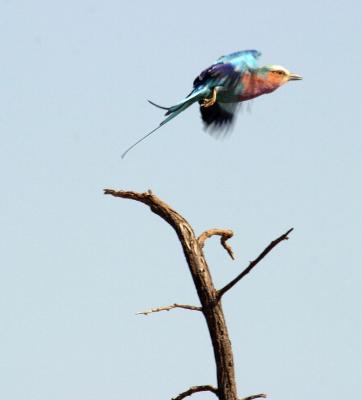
x: 227, y: 70
x: 217, y: 75
x: 219, y: 117
x: 241, y: 60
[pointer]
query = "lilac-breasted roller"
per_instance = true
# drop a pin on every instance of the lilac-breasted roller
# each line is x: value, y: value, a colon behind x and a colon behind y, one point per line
x: 220, y: 88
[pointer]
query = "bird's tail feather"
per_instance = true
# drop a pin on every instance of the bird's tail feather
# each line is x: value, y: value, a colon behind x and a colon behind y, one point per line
x: 171, y: 112
x: 194, y: 96
x: 172, y: 109
x: 158, y: 106
x: 171, y: 116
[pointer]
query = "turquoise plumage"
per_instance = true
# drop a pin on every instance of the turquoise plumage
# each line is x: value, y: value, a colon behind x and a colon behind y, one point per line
x: 219, y: 89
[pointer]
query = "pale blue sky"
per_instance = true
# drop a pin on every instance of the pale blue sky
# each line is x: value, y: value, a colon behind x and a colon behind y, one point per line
x: 76, y: 265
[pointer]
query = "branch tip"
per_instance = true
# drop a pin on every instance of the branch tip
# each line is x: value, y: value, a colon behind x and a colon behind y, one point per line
x: 168, y: 308
x: 225, y: 234
x: 196, y: 389
x: 253, y: 263
x: 255, y: 396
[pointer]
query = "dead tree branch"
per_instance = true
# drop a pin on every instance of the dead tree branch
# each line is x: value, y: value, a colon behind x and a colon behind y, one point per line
x: 255, y: 396
x: 168, y: 308
x: 252, y: 264
x: 211, y: 306
x: 195, y: 389
x: 225, y: 234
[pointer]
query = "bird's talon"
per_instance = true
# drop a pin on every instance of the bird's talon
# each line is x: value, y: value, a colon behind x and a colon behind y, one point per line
x: 211, y: 101
x: 208, y: 103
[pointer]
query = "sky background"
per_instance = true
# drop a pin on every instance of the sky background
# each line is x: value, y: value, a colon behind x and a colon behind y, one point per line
x: 76, y: 265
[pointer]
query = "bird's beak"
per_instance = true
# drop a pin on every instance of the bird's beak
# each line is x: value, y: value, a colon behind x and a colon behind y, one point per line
x: 294, y: 77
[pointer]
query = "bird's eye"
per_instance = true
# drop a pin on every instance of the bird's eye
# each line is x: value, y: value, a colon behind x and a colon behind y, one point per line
x: 280, y: 72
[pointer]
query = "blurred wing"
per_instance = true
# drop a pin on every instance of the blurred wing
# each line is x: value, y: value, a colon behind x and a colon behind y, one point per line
x: 227, y: 72
x: 219, y: 117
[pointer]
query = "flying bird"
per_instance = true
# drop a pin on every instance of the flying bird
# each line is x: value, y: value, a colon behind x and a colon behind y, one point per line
x: 221, y: 88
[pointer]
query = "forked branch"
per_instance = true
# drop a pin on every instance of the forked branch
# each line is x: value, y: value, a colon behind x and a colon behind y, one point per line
x: 252, y: 264
x: 211, y: 306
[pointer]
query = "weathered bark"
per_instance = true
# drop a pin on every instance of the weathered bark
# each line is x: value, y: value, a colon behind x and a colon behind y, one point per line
x: 210, y: 298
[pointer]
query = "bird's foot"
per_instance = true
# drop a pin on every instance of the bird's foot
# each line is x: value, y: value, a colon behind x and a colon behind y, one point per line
x: 211, y: 101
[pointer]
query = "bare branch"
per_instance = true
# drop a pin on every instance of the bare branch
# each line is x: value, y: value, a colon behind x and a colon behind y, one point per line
x: 255, y: 396
x: 252, y: 264
x: 145, y: 197
x: 195, y: 389
x: 168, y: 308
x: 210, y: 304
x: 225, y: 235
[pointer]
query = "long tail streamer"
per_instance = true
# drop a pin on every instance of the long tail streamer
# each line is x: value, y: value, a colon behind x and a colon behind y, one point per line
x: 171, y: 113
x: 140, y: 140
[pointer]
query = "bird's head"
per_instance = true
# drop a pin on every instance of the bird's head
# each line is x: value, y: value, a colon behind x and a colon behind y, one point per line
x: 277, y: 75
